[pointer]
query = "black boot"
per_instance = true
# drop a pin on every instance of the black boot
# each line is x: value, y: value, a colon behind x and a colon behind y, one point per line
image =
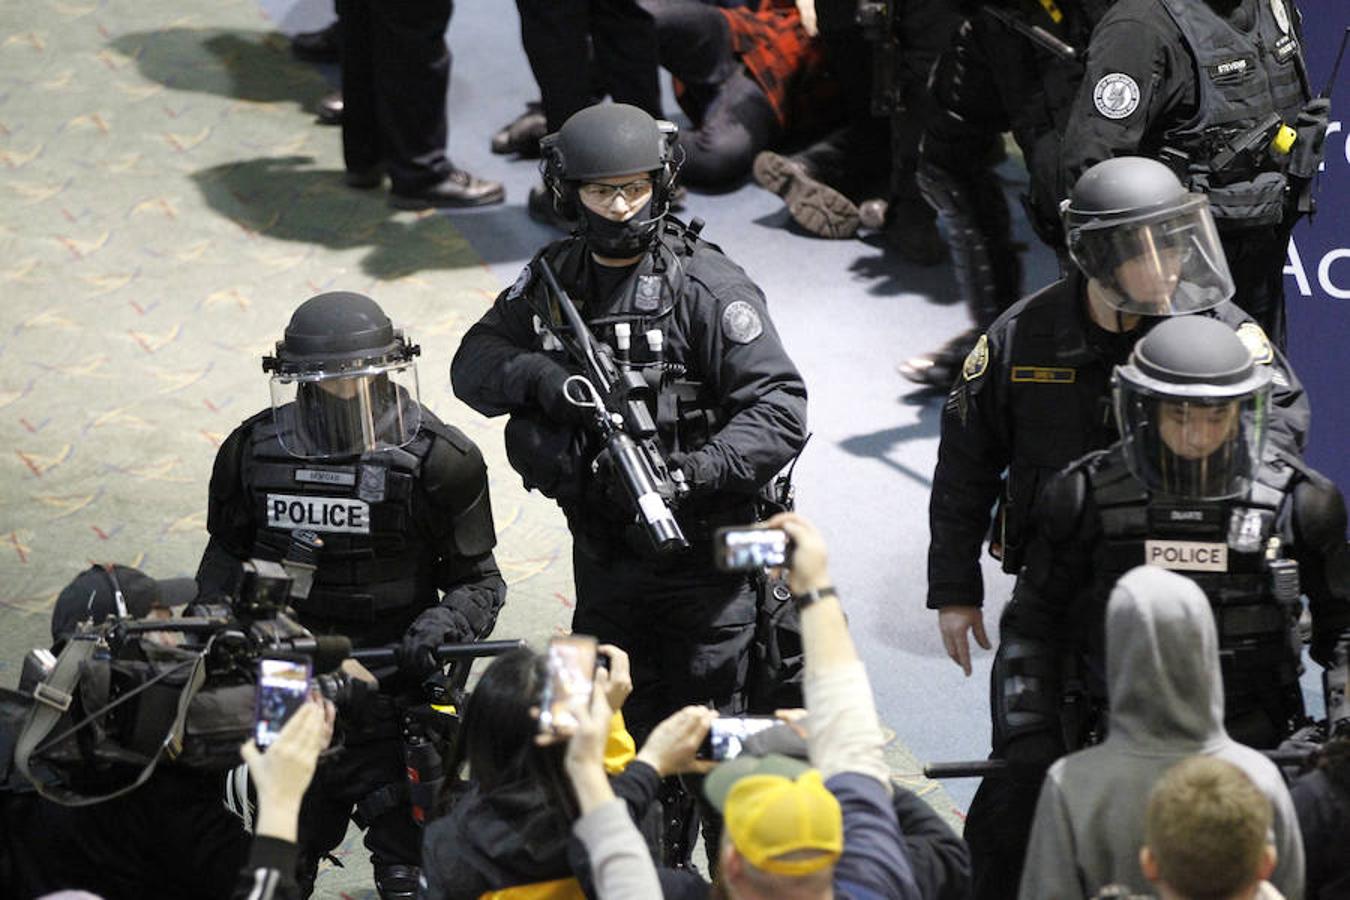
x: 521, y: 135
x: 397, y: 882
x: 457, y: 189
x: 322, y: 46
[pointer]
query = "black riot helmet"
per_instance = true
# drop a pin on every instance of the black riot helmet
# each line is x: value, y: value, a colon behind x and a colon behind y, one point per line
x: 1149, y: 245
x: 607, y: 141
x: 1192, y: 406
x: 343, y: 379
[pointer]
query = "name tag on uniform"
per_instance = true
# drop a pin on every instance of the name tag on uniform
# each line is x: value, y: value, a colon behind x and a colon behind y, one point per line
x: 331, y: 514
x: 1044, y: 374
x: 1187, y: 556
x: 345, y: 477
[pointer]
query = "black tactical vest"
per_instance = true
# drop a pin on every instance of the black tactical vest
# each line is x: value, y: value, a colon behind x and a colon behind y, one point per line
x: 1233, y: 549
x: 686, y: 417
x: 375, y: 559
x: 1058, y: 396
x: 1244, y: 76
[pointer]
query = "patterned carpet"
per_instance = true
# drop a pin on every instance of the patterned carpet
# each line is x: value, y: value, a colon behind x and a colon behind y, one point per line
x: 165, y: 202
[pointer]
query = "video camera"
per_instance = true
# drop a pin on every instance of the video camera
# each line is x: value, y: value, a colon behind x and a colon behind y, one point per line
x: 127, y: 694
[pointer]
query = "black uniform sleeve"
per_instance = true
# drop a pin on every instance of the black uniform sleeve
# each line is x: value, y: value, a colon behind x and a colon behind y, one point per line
x: 496, y: 370
x: 973, y: 452
x: 1319, y: 522
x: 229, y: 520
x: 760, y: 393
x: 459, y: 516
x: 1137, y: 72
x: 940, y: 859
x: 269, y: 873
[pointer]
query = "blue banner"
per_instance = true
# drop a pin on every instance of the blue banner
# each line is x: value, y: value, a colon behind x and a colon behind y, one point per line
x: 1317, y: 272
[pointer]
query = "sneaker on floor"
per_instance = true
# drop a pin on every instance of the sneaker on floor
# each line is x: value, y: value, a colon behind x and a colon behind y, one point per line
x: 329, y: 109
x: 457, y: 189
x: 521, y: 135
x: 540, y: 207
x: 939, y: 369
x: 813, y: 205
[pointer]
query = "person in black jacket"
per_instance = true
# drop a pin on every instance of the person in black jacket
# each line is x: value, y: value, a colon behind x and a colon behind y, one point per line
x: 510, y: 824
x: 1034, y: 393
x: 1188, y: 82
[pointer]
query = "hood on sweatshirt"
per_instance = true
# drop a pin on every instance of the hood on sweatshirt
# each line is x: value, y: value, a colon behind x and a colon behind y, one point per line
x: 1162, y: 663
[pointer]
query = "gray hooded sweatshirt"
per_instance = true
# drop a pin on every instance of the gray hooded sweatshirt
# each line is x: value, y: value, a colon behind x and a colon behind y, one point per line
x: 1166, y: 696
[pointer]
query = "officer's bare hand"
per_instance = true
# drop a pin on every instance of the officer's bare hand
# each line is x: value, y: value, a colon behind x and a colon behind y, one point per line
x: 358, y: 672
x: 955, y: 623
x: 810, y: 561
x: 673, y: 745
x: 620, y: 675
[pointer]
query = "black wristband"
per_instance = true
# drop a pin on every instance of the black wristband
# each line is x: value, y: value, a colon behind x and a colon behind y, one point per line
x: 802, y: 601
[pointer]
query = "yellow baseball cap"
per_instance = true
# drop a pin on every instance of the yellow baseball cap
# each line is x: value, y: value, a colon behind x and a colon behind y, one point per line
x: 778, y: 813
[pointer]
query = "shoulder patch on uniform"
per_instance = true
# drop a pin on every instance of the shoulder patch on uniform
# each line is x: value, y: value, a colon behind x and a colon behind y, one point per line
x: 977, y: 360
x: 1256, y: 342
x: 741, y: 323
x: 521, y: 283
x: 1116, y: 95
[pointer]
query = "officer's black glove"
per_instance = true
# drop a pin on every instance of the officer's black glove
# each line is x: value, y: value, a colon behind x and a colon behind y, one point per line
x: 435, y: 626
x: 1311, y: 126
x: 551, y: 393
x: 548, y: 454
x: 700, y: 471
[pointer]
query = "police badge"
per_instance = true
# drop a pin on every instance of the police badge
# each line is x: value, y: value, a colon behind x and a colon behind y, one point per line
x: 740, y: 322
x: 977, y: 360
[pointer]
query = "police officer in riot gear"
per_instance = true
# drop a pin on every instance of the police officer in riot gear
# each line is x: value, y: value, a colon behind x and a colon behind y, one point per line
x: 1014, y: 65
x: 1034, y: 393
x: 730, y: 407
x: 1217, y: 89
x: 382, y: 512
x: 1190, y: 486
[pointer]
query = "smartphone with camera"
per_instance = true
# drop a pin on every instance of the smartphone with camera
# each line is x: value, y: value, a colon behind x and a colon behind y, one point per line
x: 571, y: 662
x: 283, y: 686
x: 747, y: 548
x: 726, y: 737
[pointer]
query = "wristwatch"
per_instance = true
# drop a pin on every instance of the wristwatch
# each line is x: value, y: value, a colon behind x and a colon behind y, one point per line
x: 802, y: 601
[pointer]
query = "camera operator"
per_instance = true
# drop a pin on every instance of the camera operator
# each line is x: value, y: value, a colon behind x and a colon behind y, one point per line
x: 359, y: 490
x: 169, y: 838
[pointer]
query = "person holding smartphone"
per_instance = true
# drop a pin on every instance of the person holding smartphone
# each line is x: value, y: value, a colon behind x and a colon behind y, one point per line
x: 354, y: 485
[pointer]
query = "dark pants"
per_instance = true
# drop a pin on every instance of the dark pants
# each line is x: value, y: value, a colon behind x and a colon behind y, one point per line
x: 733, y: 118
x: 1256, y: 258
x: 395, y: 75
x: 687, y: 629
x: 559, y: 38
x: 998, y: 829
x: 170, y: 838
x: 368, y: 775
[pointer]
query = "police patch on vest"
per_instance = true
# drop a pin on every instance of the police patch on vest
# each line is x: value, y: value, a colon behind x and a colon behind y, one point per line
x: 977, y: 360
x: 1285, y: 48
x: 1187, y: 556
x: 325, y: 476
x: 1229, y: 69
x: 1044, y: 374
x: 1116, y: 95
x: 647, y: 296
x: 1256, y: 342
x: 740, y: 322
x: 1281, y: 14
x: 521, y: 283
x: 330, y: 514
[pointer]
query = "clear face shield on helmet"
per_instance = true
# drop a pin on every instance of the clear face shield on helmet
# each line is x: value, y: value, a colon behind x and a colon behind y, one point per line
x: 346, y: 412
x: 1164, y: 264
x: 1198, y: 442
